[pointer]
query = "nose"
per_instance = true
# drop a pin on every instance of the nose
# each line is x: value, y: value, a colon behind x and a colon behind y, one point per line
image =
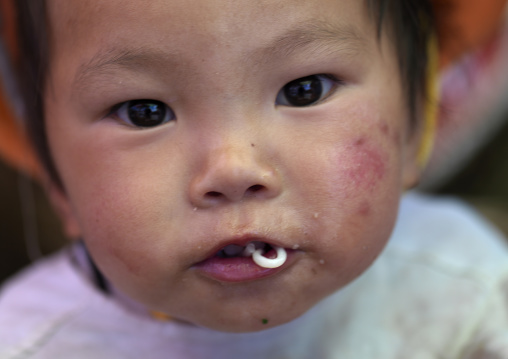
x: 233, y: 174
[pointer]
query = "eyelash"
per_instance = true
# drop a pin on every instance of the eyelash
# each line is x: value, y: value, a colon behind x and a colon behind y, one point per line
x: 303, y: 93
x: 125, y: 111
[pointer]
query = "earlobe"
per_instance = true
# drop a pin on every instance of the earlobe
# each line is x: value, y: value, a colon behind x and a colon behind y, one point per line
x: 62, y: 206
x: 411, y: 176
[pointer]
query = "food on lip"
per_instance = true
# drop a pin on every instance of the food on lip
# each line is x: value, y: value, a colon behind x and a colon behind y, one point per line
x: 256, y: 250
x: 264, y: 262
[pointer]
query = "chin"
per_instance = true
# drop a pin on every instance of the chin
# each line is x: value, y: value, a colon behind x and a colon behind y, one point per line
x: 251, y: 317
x: 249, y: 324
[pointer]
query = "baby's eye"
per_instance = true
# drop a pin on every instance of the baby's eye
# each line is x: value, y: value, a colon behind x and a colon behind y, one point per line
x: 306, y: 91
x: 144, y: 113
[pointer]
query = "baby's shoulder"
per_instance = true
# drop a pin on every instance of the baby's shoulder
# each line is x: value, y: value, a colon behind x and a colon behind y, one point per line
x: 448, y: 232
x: 439, y: 289
x: 37, y: 302
x: 446, y: 268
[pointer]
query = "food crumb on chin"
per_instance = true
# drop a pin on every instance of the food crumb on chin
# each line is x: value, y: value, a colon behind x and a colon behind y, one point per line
x: 264, y: 321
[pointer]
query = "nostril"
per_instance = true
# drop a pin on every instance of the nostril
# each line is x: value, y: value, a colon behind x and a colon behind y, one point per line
x: 255, y: 188
x: 232, y: 193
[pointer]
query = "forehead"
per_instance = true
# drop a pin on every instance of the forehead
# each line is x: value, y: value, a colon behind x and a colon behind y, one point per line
x: 228, y: 25
x: 225, y: 15
x: 90, y: 39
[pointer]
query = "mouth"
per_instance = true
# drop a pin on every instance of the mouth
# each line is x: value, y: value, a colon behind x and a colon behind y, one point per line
x: 239, y: 263
x: 263, y: 254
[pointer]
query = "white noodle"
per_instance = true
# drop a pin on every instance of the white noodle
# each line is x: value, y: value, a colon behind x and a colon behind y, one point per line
x: 264, y: 262
x: 249, y: 250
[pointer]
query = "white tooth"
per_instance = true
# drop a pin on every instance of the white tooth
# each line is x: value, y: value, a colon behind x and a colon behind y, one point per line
x: 233, y: 250
x: 264, y: 262
x: 249, y: 250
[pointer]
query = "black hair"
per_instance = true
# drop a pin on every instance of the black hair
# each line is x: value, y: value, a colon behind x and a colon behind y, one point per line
x: 410, y: 24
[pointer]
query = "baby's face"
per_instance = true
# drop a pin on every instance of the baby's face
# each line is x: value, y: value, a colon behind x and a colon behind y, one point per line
x: 182, y: 127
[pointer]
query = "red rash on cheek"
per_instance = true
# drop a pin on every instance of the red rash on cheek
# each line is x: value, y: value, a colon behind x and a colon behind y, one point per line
x: 367, y: 165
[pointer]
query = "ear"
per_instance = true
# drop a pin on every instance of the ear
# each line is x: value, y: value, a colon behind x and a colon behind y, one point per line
x: 411, y: 175
x: 63, y: 208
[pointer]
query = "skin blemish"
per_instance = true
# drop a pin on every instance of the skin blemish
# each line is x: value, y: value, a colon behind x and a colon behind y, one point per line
x: 364, y: 209
x: 367, y: 164
x: 359, y: 142
x: 388, y: 133
x: 384, y: 129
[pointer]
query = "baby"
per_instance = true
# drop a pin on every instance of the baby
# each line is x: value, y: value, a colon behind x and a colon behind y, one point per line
x: 232, y: 172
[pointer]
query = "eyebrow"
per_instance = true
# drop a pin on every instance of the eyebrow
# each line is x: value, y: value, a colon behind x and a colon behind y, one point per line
x: 323, y: 38
x: 344, y: 39
x: 108, y: 61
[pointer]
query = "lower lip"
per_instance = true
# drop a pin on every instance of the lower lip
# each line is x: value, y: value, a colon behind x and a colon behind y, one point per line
x: 237, y: 269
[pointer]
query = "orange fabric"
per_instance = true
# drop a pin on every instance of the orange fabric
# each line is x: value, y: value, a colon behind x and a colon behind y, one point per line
x: 14, y: 146
x: 462, y: 25
x: 465, y: 24
x: 8, y: 12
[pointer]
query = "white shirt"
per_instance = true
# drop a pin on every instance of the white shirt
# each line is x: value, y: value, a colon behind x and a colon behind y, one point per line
x: 439, y: 290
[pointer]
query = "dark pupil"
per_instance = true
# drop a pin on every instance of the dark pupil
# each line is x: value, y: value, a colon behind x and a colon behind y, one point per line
x: 146, y: 113
x: 304, y: 91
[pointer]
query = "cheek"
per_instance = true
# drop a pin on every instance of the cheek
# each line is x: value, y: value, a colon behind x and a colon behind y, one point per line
x: 131, y: 239
x: 366, y: 184
x: 111, y: 219
x: 366, y: 187
x: 121, y: 214
x: 361, y: 173
x: 365, y: 167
